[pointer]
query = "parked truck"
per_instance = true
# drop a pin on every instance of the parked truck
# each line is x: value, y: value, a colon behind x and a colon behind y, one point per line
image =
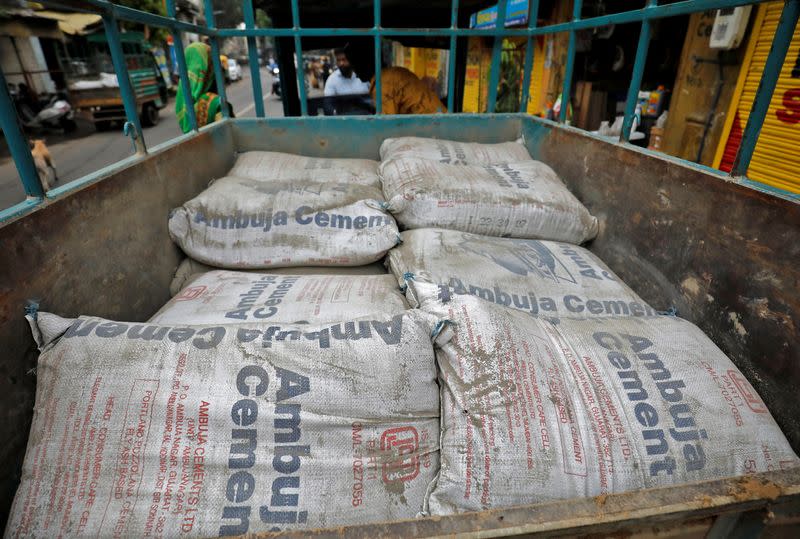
x: 94, y: 88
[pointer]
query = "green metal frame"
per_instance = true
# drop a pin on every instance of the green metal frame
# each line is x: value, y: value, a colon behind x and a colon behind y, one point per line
x: 111, y: 13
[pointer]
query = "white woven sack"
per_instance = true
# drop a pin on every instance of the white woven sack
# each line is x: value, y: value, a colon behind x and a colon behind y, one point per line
x: 271, y: 166
x: 539, y: 277
x: 239, y: 223
x: 520, y: 200
x: 453, y: 152
x: 536, y: 409
x: 236, y: 297
x: 189, y: 270
x: 200, y: 431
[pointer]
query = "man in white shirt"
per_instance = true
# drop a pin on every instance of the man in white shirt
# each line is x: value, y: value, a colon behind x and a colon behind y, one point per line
x: 344, y: 81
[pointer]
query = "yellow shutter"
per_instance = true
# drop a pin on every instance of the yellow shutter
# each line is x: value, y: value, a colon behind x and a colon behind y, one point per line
x: 776, y: 160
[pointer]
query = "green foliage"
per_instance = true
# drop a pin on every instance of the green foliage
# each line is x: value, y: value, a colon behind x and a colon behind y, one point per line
x: 156, y: 36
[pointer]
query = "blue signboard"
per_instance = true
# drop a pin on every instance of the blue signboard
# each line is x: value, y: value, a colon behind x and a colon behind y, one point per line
x: 516, y: 15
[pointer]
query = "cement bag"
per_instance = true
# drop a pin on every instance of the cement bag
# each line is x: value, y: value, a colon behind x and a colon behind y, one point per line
x: 271, y: 166
x: 453, y: 152
x: 536, y: 410
x: 521, y: 200
x: 239, y: 223
x: 189, y: 270
x: 539, y: 277
x: 144, y: 430
x: 235, y: 297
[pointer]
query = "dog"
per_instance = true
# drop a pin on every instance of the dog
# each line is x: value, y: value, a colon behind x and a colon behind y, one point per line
x: 44, y: 164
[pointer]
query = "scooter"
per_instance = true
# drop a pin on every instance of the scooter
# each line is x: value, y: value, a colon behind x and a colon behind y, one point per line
x: 51, y: 112
x: 276, y: 81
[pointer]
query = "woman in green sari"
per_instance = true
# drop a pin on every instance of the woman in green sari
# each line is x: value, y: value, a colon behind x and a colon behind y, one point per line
x: 201, y: 80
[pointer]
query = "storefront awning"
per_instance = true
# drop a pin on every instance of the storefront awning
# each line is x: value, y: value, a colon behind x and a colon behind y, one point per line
x: 29, y: 27
x: 74, y: 24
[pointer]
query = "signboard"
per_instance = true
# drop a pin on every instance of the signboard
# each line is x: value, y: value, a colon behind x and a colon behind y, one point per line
x: 516, y: 15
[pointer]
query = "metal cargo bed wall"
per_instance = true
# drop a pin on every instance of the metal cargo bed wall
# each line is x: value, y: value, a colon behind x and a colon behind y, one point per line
x: 105, y: 251
x: 724, y: 253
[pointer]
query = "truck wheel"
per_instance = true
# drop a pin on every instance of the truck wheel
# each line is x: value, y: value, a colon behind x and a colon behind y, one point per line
x: 149, y: 115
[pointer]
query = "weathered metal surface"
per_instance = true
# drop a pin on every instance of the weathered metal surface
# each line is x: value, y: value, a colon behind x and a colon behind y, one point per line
x: 329, y: 136
x: 724, y: 254
x: 667, y: 508
x: 102, y: 250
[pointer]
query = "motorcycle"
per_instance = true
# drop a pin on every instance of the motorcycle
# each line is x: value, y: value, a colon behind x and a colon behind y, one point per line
x: 52, y: 111
x: 276, y: 81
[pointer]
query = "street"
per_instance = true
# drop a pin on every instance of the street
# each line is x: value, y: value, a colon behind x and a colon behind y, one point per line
x: 87, y: 150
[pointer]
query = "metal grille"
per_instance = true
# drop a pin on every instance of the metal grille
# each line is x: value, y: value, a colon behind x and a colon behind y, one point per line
x: 112, y: 13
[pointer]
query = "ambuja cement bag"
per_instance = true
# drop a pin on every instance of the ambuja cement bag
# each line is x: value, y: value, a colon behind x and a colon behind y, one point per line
x: 520, y: 200
x: 235, y: 297
x: 539, y: 277
x: 240, y: 223
x: 453, y: 152
x: 189, y: 269
x: 536, y: 409
x: 200, y: 431
x: 271, y: 166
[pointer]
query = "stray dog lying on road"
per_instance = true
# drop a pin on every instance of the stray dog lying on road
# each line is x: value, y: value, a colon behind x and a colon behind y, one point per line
x: 44, y: 164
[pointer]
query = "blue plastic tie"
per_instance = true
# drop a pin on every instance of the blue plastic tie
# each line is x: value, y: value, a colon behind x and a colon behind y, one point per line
x: 440, y: 325
x: 672, y: 311
x: 32, y: 308
x: 130, y: 131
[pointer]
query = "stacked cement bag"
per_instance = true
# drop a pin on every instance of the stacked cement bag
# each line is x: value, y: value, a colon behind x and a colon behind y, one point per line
x: 270, y: 166
x: 523, y: 199
x: 537, y: 409
x: 543, y: 278
x: 453, y: 152
x: 235, y: 297
x: 199, y: 431
x: 246, y: 223
x: 189, y: 270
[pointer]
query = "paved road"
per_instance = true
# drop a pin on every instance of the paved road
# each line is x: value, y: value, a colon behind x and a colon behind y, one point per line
x: 86, y: 150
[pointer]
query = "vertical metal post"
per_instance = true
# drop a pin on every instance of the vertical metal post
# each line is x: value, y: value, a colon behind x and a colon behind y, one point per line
x: 208, y: 7
x: 378, y: 58
x: 636, y: 76
x: 576, y: 15
x: 125, y: 87
x: 182, y: 71
x: 494, y: 71
x: 533, y: 14
x: 252, y: 51
x: 451, y: 61
x: 17, y: 143
x: 298, y: 51
x: 766, y: 86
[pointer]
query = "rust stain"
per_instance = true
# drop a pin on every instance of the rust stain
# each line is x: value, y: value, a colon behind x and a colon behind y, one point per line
x: 750, y: 488
x: 705, y: 500
x: 601, y: 500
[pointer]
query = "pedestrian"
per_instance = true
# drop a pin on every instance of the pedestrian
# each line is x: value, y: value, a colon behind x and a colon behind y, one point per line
x: 203, y: 88
x: 344, y: 81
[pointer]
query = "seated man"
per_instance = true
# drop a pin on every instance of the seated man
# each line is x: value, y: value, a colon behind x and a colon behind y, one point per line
x: 344, y: 81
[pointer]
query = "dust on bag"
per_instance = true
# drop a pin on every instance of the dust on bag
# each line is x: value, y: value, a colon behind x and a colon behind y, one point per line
x: 236, y: 297
x: 213, y: 430
x: 239, y: 223
x: 539, y: 277
x: 453, y: 152
x: 271, y: 166
x: 538, y: 409
x: 521, y: 200
x: 189, y: 270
